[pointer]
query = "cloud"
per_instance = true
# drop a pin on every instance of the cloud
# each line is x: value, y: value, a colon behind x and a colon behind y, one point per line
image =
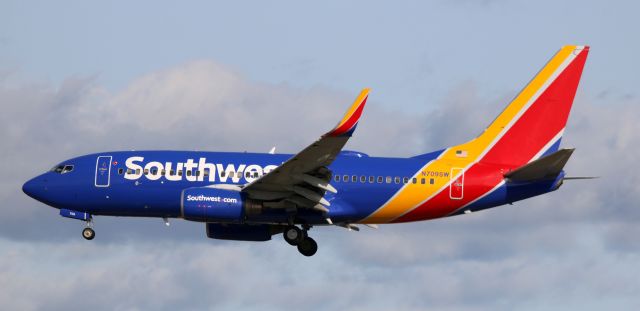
x: 199, y: 105
x: 570, y: 249
x: 224, y: 275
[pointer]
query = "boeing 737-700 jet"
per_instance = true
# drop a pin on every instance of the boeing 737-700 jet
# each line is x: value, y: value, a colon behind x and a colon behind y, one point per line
x: 253, y: 196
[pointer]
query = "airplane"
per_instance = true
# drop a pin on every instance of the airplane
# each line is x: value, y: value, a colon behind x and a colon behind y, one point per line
x: 254, y: 196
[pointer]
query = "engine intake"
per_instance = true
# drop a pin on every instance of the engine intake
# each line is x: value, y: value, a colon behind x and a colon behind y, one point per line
x: 217, y: 205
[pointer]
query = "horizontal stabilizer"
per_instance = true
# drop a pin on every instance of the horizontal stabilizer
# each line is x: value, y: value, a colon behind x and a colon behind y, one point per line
x: 547, y: 167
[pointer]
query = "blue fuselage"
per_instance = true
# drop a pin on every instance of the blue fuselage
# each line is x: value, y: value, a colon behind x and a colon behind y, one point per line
x: 109, y: 183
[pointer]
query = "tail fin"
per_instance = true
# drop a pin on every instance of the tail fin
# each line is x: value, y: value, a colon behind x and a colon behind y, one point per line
x: 533, y: 123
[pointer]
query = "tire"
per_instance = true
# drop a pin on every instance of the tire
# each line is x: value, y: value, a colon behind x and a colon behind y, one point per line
x: 88, y: 233
x: 308, y: 247
x: 293, y: 235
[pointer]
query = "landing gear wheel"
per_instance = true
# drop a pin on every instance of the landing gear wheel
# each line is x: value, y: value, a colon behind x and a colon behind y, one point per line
x: 88, y: 233
x: 308, y: 247
x: 293, y: 235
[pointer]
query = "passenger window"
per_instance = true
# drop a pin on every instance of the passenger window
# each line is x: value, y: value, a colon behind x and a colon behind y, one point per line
x: 223, y: 173
x: 336, y: 178
x: 388, y: 179
x: 180, y: 173
x: 188, y: 173
x: 405, y: 180
x: 163, y: 172
x: 431, y: 181
x: 414, y: 181
x: 372, y: 179
x: 129, y: 171
x: 354, y: 178
x: 345, y: 178
x: 120, y: 171
x: 172, y: 172
x: 363, y: 179
x: 396, y: 180
x: 206, y: 173
x: 380, y: 179
x: 423, y: 181
x: 239, y: 174
x: 137, y: 171
x: 146, y: 171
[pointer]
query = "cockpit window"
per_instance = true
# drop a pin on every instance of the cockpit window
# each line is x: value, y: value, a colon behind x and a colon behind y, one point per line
x: 62, y: 169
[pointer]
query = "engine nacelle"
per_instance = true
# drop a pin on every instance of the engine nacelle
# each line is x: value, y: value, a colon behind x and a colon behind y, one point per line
x: 237, y: 232
x: 216, y: 205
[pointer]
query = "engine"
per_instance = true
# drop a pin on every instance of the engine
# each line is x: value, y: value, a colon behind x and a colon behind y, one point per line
x: 238, y: 232
x: 217, y: 205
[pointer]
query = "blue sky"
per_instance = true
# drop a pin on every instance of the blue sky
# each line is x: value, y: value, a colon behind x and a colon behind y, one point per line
x: 409, y: 52
x: 80, y: 76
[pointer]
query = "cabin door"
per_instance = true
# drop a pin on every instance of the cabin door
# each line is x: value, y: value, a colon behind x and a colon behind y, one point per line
x: 456, y: 189
x: 103, y: 171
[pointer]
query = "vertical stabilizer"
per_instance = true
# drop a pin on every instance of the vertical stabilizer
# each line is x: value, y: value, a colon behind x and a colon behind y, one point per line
x: 533, y: 123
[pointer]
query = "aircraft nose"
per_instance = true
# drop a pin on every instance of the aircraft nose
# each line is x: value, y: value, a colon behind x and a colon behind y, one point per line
x: 33, y: 187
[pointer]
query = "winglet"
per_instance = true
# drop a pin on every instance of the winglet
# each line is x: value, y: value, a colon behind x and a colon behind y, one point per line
x: 350, y: 120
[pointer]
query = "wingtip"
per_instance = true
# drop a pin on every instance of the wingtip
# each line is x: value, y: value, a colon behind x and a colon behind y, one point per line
x: 347, y: 125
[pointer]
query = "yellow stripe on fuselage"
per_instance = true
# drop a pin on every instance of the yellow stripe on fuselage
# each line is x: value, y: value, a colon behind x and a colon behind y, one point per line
x: 412, y: 195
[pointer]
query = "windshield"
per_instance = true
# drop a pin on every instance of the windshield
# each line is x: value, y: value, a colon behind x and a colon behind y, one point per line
x: 62, y: 169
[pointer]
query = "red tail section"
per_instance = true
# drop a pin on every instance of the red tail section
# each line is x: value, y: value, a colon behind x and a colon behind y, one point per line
x: 531, y: 126
x: 539, y: 127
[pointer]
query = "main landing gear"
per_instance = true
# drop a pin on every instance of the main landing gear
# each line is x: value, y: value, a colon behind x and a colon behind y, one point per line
x: 299, y: 237
x: 88, y: 233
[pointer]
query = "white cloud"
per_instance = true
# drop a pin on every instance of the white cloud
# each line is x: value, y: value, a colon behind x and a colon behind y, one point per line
x: 269, y: 276
x: 573, y: 248
x: 199, y: 105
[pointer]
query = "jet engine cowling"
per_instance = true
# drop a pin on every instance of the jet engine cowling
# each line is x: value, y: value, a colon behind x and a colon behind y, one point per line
x: 207, y: 204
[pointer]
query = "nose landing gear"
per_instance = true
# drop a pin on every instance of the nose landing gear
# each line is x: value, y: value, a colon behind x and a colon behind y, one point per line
x: 88, y: 233
x: 299, y: 238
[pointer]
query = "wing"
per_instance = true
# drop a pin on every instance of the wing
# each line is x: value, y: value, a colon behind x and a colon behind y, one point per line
x: 303, y: 180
